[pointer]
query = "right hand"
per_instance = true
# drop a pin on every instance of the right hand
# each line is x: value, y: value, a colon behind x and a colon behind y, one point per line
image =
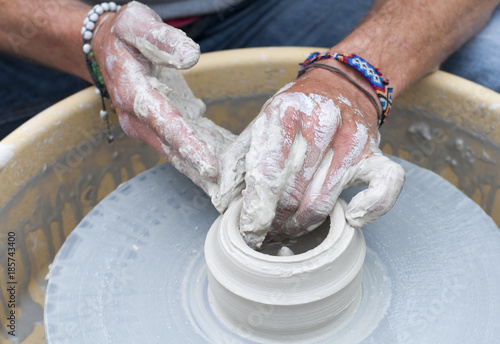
x: 315, y: 137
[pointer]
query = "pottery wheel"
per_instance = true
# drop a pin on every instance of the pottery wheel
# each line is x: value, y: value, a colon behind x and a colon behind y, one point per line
x: 133, y: 270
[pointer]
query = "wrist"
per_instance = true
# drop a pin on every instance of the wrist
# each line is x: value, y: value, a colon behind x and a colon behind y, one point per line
x: 400, y: 77
x: 96, y: 27
x: 348, y: 89
x: 101, y: 33
x: 92, y: 23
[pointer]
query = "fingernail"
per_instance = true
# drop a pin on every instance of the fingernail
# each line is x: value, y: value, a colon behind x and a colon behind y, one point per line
x: 209, y: 172
x: 356, y: 218
x: 314, y: 226
x: 285, y: 251
x: 189, y: 54
x: 251, y: 240
x: 208, y: 168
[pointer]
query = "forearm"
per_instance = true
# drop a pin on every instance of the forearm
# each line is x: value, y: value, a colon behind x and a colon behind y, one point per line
x: 407, y: 39
x: 45, y: 32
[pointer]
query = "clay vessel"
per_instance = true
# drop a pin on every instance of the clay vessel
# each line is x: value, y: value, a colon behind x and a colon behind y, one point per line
x: 282, y: 298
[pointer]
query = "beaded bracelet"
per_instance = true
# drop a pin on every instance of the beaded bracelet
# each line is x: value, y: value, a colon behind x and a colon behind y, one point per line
x: 87, y: 34
x: 372, y: 74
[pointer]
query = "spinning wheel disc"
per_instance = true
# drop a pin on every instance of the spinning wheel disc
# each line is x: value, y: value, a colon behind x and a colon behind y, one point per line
x: 133, y: 270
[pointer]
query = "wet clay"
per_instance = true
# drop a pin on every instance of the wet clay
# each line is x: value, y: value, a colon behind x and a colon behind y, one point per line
x: 468, y: 160
x: 312, y: 294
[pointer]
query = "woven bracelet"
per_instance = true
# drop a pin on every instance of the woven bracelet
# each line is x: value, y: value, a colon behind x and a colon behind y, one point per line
x: 89, y: 25
x: 372, y: 74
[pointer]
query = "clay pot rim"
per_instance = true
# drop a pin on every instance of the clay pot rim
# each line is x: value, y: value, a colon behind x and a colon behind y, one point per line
x: 337, y: 214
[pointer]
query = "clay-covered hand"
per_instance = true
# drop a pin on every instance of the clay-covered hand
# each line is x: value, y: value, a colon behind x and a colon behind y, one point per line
x: 139, y: 56
x: 315, y: 137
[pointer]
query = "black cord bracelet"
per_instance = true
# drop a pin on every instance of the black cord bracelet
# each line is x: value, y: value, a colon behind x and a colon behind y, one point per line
x: 338, y: 71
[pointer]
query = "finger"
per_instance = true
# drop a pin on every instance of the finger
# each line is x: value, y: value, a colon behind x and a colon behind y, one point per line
x: 316, y: 203
x: 232, y: 171
x: 183, y: 166
x: 268, y: 169
x: 154, y: 109
x: 172, y: 85
x: 385, y: 179
x: 135, y: 128
x: 142, y: 28
x: 325, y: 188
x: 318, y: 127
x: 232, y: 167
x: 133, y: 93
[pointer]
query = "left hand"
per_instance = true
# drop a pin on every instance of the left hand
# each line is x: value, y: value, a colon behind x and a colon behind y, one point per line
x: 315, y: 137
x: 139, y: 56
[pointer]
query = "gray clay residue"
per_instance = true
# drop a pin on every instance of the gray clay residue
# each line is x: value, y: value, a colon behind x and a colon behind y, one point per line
x: 438, y: 145
x: 77, y: 182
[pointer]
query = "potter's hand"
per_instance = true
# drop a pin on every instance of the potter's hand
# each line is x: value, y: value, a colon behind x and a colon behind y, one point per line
x: 315, y: 137
x: 138, y: 55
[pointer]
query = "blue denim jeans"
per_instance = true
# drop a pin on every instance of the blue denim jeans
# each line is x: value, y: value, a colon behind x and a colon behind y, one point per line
x: 26, y: 89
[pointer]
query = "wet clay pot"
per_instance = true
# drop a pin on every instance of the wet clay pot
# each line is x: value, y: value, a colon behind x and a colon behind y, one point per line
x: 275, y: 298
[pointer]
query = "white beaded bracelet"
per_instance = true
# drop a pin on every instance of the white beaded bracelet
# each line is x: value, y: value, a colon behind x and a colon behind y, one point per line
x: 89, y: 25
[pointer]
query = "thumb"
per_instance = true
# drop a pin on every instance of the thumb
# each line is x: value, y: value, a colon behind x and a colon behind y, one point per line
x: 385, y: 180
x: 162, y: 44
x: 232, y: 171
